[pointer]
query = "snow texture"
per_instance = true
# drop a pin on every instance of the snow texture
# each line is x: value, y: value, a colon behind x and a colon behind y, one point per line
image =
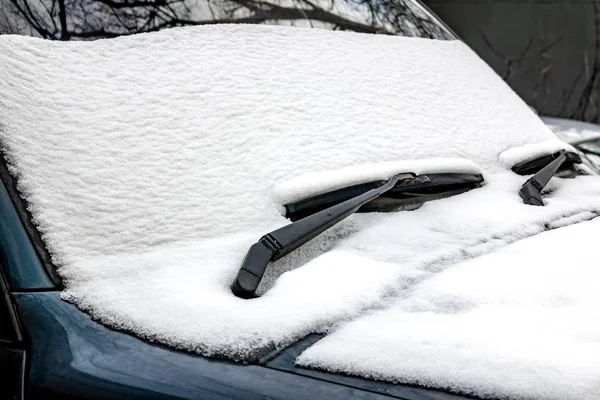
x: 314, y: 183
x: 152, y: 162
x: 531, y: 151
x: 520, y: 322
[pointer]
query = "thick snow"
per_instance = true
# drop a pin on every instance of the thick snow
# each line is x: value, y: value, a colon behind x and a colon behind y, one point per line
x: 531, y: 151
x: 152, y: 162
x: 519, y: 322
x: 314, y: 183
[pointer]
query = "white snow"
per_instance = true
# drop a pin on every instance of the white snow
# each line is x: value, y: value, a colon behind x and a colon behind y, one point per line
x: 521, y: 322
x: 314, y: 183
x: 531, y: 151
x: 152, y: 162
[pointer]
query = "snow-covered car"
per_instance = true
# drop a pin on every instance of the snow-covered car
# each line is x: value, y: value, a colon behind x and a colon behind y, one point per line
x: 270, y: 212
x: 584, y: 136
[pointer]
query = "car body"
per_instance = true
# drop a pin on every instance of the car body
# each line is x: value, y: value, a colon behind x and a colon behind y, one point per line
x: 50, y: 349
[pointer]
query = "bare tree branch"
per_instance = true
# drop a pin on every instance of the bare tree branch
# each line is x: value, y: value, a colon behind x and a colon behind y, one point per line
x: 90, y: 19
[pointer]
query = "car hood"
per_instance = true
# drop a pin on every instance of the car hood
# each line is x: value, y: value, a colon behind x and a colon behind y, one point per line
x: 527, y: 307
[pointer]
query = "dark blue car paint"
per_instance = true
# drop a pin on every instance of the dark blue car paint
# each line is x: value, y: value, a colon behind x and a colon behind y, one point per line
x: 65, y: 355
x: 72, y: 357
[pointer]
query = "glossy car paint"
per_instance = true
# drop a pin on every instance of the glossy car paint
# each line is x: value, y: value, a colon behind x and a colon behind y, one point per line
x: 72, y: 357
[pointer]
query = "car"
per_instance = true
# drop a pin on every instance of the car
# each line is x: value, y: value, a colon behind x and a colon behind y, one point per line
x: 584, y: 136
x: 52, y: 350
x: 115, y: 191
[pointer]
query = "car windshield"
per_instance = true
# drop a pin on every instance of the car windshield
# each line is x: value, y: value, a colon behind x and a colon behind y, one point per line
x: 171, y: 153
x: 392, y: 17
x: 95, y: 19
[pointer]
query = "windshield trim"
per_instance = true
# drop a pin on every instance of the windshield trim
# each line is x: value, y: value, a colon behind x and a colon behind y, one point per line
x: 427, y: 11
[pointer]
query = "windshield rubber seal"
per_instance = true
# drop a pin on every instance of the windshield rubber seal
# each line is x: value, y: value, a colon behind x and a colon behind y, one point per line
x: 22, y: 208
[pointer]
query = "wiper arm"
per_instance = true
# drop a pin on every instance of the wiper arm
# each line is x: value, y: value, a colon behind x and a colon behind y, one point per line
x: 531, y: 189
x: 407, y: 194
x: 316, y: 214
x: 284, y: 240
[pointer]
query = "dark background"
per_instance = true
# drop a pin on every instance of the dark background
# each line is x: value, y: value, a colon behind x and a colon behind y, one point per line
x: 548, y: 51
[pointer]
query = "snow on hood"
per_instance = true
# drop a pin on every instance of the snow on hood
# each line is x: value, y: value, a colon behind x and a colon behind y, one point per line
x: 152, y: 162
x: 532, y: 305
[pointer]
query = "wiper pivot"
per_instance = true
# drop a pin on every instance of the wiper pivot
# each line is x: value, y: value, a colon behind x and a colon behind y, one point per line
x: 282, y: 241
x: 531, y: 190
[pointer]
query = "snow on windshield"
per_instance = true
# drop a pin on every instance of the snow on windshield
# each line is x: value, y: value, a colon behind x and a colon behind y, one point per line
x: 152, y: 162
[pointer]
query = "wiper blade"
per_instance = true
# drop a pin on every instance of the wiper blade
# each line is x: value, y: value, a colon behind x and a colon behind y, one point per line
x: 404, y: 188
x: 407, y: 193
x: 531, y: 190
x: 535, y: 165
x: 284, y: 240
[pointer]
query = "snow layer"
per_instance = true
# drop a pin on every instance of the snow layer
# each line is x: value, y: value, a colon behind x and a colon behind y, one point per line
x: 314, y: 183
x: 520, y: 322
x: 531, y: 151
x: 152, y: 162
x: 122, y: 145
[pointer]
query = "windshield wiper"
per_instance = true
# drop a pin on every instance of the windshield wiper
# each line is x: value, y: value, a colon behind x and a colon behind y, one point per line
x: 407, y: 194
x: 282, y: 241
x: 531, y: 190
x: 535, y: 165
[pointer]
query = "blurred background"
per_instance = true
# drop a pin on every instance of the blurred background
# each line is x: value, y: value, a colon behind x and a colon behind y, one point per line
x: 547, y: 50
